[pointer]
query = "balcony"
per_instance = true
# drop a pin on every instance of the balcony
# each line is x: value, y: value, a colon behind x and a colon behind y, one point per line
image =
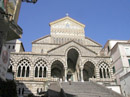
x: 11, y: 29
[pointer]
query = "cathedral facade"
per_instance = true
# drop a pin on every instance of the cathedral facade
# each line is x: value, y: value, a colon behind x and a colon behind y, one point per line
x: 65, y: 54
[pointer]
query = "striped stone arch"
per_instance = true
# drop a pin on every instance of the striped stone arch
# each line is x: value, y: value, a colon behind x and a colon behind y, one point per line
x: 40, y: 67
x: 103, y: 61
x: 26, y: 58
x: 12, y: 59
x: 11, y: 64
x: 88, y: 60
x: 40, y: 58
x: 23, y: 67
x: 73, y: 47
x: 58, y: 59
x: 104, y: 69
x: 57, y: 70
x: 67, y: 50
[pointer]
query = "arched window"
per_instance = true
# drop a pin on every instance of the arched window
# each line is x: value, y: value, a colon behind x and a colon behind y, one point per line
x: 19, y: 71
x: 27, y: 73
x: 104, y: 73
x: 44, y: 74
x: 40, y: 68
x: 36, y: 72
x: 104, y: 70
x: 23, y: 68
x: 23, y: 72
x: 100, y: 73
x: 40, y: 72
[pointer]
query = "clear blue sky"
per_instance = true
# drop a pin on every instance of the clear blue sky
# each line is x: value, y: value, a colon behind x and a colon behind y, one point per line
x: 104, y: 19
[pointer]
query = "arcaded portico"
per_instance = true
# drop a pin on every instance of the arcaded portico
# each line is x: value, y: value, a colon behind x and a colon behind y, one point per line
x: 64, y: 54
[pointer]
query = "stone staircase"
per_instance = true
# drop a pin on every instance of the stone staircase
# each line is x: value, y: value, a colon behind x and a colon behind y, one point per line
x: 87, y: 89
x: 54, y: 90
x: 80, y: 89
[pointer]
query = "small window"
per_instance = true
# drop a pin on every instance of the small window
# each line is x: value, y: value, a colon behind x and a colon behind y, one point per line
x: 113, y: 69
x: 13, y: 47
x: 129, y: 61
x: 127, y: 50
x: 108, y: 48
x: 9, y: 47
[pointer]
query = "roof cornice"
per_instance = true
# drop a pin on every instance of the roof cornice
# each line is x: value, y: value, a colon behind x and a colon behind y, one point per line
x: 67, y: 17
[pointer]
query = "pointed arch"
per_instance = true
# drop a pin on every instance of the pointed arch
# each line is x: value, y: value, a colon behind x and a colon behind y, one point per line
x: 39, y: 67
x: 73, y: 47
x: 88, y: 70
x: 104, y: 69
x: 88, y: 60
x: 11, y: 65
x: 23, y: 68
x: 57, y: 69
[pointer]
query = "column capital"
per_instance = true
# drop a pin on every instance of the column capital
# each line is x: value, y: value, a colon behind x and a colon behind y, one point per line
x: 81, y: 67
x: 66, y: 67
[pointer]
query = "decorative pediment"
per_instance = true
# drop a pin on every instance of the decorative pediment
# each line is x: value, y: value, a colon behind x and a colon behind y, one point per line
x: 45, y: 39
x: 67, y: 20
x: 61, y: 50
x: 67, y: 26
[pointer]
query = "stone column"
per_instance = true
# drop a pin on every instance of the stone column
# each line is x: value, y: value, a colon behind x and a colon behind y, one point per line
x: 25, y: 71
x: 97, y: 73
x: 42, y: 72
x: 82, y: 80
x: 38, y: 70
x: 65, y: 74
x: 49, y: 72
x: 15, y: 70
x: 21, y: 71
x: 31, y: 72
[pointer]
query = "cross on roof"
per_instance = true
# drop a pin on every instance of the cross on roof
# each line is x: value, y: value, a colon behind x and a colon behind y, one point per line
x: 67, y: 14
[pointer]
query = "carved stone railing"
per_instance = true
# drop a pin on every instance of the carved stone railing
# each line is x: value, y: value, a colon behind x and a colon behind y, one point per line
x: 34, y: 79
x: 101, y: 79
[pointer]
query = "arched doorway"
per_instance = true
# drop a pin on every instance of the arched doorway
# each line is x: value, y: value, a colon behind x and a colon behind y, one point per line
x: 88, y: 71
x: 73, y: 65
x: 57, y: 69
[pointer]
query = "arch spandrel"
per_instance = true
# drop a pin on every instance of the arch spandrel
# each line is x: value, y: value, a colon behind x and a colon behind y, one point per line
x: 57, y: 69
x: 88, y: 60
x: 26, y: 58
x: 12, y: 59
x: 72, y: 47
x: 88, y: 71
x: 104, y: 69
x: 103, y: 61
x: 40, y: 58
x: 57, y: 59
x: 63, y: 49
